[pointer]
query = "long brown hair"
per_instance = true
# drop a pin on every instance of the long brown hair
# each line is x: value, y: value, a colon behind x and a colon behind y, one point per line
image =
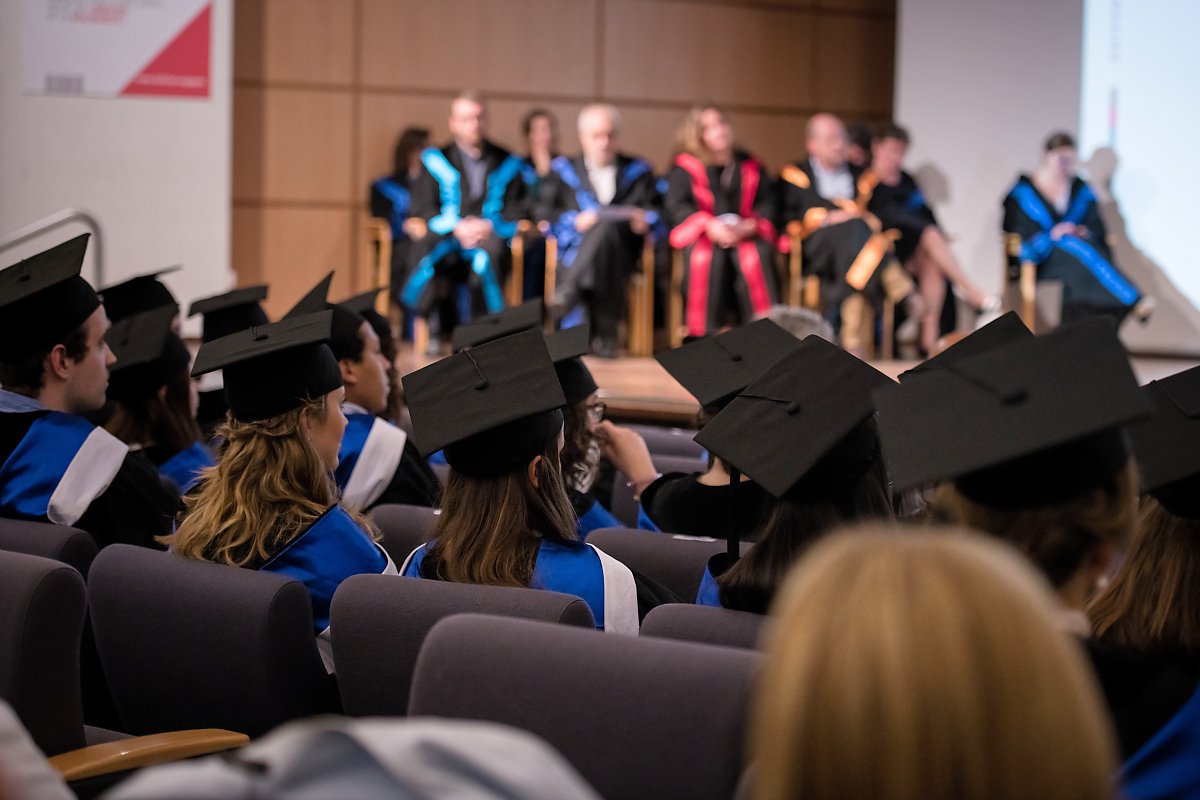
x: 1153, y: 602
x: 151, y: 420
x: 1057, y: 538
x: 268, y: 486
x: 689, y: 138
x: 490, y: 529
x: 791, y: 527
x: 909, y: 665
x: 579, y: 444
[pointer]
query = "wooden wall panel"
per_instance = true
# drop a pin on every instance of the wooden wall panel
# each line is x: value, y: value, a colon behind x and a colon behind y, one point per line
x: 775, y: 138
x: 663, y: 50
x: 534, y: 46
x: 857, y: 54
x: 309, y: 41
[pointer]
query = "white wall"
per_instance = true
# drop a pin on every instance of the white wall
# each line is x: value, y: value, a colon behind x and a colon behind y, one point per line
x: 155, y: 172
x: 980, y: 84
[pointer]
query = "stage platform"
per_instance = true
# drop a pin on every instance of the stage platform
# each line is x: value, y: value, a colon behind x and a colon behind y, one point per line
x: 639, y: 390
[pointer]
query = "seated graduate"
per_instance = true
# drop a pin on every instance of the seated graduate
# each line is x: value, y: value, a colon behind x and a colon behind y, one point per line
x: 55, y: 466
x: 923, y: 664
x: 805, y: 432
x: 391, y: 198
x: 154, y: 399
x: 844, y: 243
x: 506, y: 519
x: 714, y: 369
x: 364, y: 305
x: 140, y: 294
x: 1058, y: 219
x: 376, y: 462
x: 1150, y: 607
x: 899, y: 204
x: 270, y: 503
x: 601, y: 205
x: 470, y: 194
x: 721, y: 207
x: 539, y: 128
x: 221, y: 315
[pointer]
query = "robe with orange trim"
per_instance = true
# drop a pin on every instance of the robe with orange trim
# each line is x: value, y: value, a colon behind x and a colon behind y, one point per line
x: 723, y: 285
x: 849, y: 256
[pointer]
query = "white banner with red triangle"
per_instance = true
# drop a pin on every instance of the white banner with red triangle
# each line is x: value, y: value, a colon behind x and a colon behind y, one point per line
x: 117, y: 48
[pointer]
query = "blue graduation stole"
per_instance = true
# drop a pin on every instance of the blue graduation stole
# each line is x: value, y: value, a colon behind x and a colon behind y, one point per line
x: 184, y: 467
x: 330, y: 551
x: 400, y: 199
x: 570, y: 568
x: 1166, y: 766
x: 358, y: 427
x: 709, y: 593
x: 596, y: 517
x: 568, y: 238
x: 33, y: 472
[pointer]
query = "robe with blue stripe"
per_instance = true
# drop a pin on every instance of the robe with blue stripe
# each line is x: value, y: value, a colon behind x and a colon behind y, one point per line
x: 183, y: 469
x: 378, y: 464
x: 591, y: 513
x: 1169, y: 764
x: 1091, y: 281
x: 329, y: 551
x: 575, y: 568
x: 441, y: 196
x: 392, y: 201
x: 59, y: 468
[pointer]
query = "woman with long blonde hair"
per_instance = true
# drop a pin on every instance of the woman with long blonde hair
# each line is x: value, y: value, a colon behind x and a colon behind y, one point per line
x: 721, y: 209
x: 270, y: 503
x: 925, y: 666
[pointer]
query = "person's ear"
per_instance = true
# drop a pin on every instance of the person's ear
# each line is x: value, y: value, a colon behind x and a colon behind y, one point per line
x: 59, y: 363
x: 532, y: 469
x: 162, y: 394
x: 348, y: 376
x: 1100, y: 561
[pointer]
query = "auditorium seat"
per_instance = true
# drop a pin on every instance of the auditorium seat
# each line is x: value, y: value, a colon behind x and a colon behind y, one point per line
x: 42, y: 608
x: 677, y: 562
x: 704, y: 624
x: 624, y: 507
x: 403, y: 528
x: 637, y: 717
x: 57, y: 542
x: 191, y: 644
x: 378, y: 623
x: 661, y: 441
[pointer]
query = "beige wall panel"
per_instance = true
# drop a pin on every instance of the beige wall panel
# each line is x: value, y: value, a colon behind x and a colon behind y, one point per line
x: 883, y: 7
x: 775, y: 138
x: 663, y: 50
x: 291, y: 249
x: 292, y: 145
x: 857, y: 64
x: 310, y: 41
x: 527, y: 45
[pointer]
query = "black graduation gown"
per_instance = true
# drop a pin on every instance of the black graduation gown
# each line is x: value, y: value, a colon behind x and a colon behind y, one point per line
x: 136, y: 506
x: 849, y: 256
x: 1091, y: 282
x: 594, y: 266
x: 679, y: 503
x: 723, y: 285
x: 902, y: 207
x: 413, y: 483
x: 391, y: 200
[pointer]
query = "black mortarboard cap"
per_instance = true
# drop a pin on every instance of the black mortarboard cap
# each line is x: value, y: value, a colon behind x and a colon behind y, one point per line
x: 317, y: 299
x: 272, y: 369
x: 715, y: 368
x: 799, y: 428
x: 149, y: 355
x: 43, y: 299
x: 364, y: 305
x: 502, y: 323
x: 1167, y: 445
x: 139, y: 294
x: 230, y: 312
x: 1027, y: 425
x: 1004, y: 330
x: 363, y: 302
x: 492, y: 408
x: 567, y: 347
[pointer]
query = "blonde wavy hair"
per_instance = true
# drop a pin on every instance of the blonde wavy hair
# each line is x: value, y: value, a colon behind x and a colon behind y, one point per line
x: 689, y: 138
x: 268, y: 486
x: 910, y: 665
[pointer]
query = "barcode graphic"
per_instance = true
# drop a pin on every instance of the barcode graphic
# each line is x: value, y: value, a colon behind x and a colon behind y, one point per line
x: 64, y: 84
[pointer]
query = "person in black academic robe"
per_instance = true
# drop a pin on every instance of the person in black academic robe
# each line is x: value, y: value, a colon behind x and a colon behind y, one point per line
x: 599, y: 228
x: 391, y: 198
x: 1057, y: 216
x: 721, y: 209
x: 470, y: 194
x: 843, y: 243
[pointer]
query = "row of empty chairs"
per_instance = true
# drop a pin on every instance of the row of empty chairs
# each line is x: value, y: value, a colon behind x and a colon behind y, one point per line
x: 192, y: 645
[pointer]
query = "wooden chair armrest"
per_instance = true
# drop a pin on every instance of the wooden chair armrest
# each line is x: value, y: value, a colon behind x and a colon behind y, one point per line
x: 379, y: 230
x: 144, y: 751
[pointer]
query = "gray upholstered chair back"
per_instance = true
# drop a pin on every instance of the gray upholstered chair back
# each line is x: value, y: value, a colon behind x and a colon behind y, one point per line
x: 637, y: 717
x: 624, y: 507
x: 68, y: 545
x: 669, y: 441
x: 189, y: 644
x: 378, y: 623
x: 403, y: 528
x: 705, y: 624
x: 42, y: 608
x: 677, y: 562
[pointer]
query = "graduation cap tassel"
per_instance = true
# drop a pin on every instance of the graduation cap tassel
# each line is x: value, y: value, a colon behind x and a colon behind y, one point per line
x: 731, y: 537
